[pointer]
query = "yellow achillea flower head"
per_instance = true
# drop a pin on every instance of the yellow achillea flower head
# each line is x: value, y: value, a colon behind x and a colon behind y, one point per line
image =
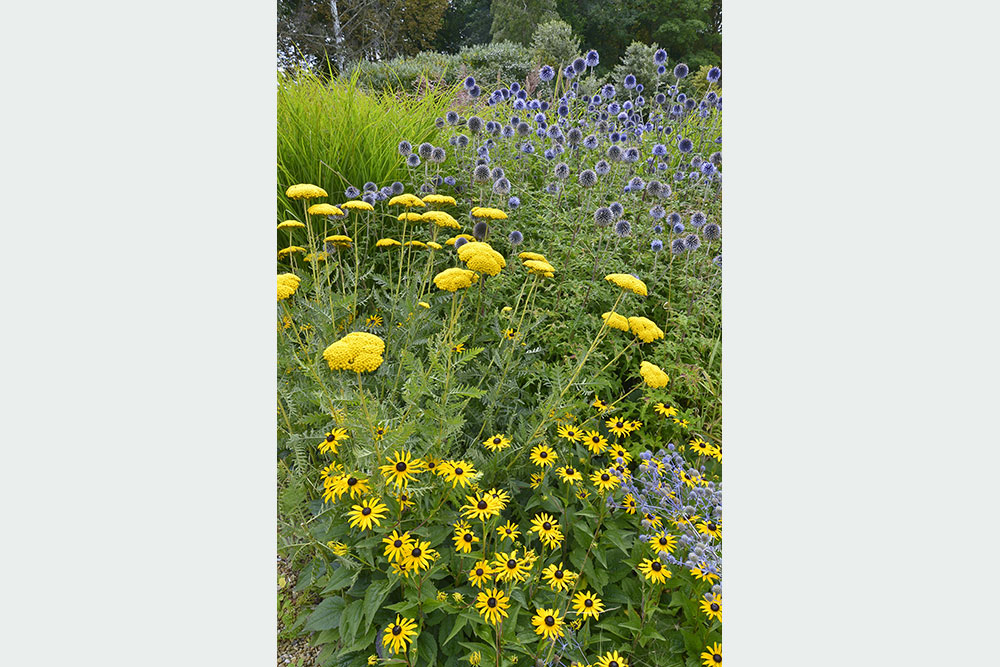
x: 305, y: 191
x: 324, y: 209
x: 547, y: 623
x: 540, y: 268
x: 416, y: 244
x: 455, y: 279
x: 357, y: 205
x: 410, y: 217
x: 467, y: 237
x: 616, y: 321
x: 482, y: 258
x: 645, y: 329
x: 287, y: 284
x: 291, y: 224
x: 434, y: 246
x: 407, y: 200
x: 387, y: 243
x: 423, y: 304
x: 358, y: 351
x: 653, y: 375
x: 440, y: 200
x: 441, y: 219
x: 318, y: 257
x: 628, y: 282
x: 289, y: 250
x: 491, y: 213
x: 339, y: 240
x: 524, y: 256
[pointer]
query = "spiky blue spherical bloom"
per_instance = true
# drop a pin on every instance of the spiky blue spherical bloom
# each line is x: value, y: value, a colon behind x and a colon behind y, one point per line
x: 682, y: 97
x: 561, y: 171
x: 449, y: 180
x: 623, y: 228
x: 528, y: 147
x: 593, y: 58
x: 661, y: 70
x: 549, y: 155
x: 474, y: 91
x: 698, y: 219
x: 396, y: 188
x: 692, y: 242
x: 369, y: 186
x: 563, y: 110
x: 711, y: 97
x: 546, y: 73
x: 404, y: 148
x: 674, y: 218
x: 636, y: 184
x: 629, y: 81
x: 608, y: 90
x: 679, y: 176
x: 451, y: 117
x: 481, y: 174
x: 553, y: 132
x: 413, y: 160
x: 639, y: 87
x: 680, y: 70
x: 475, y: 124
x: 615, y: 152
x: 438, y: 155
x: 351, y: 192
x: 678, y: 228
x: 469, y: 82
x: 659, y: 150
x: 707, y: 168
x: 656, y: 245
x: 513, y: 202
x: 463, y: 140
x: 631, y: 154
x: 579, y: 65
x: 587, y: 178
x: 660, y: 57
x: 574, y: 136
x: 460, y: 241
x: 590, y: 143
x: 515, y: 88
x: 519, y: 105
x: 369, y: 197
x: 677, y: 246
x: 501, y: 187
x: 603, y: 216
x: 717, y: 260
x: 627, y: 105
x: 479, y: 230
x: 657, y: 212
x: 711, y: 231
x: 685, y: 145
x: 616, y: 208
x: 689, y: 104
x: 640, y: 101
x: 523, y: 129
x: 515, y: 238
x: 714, y: 74
x: 660, y: 98
x: 568, y: 72
x: 602, y: 168
x: 507, y: 131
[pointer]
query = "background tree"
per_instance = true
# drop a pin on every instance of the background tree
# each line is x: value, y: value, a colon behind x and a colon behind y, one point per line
x: 554, y: 44
x: 466, y: 23
x: 516, y: 20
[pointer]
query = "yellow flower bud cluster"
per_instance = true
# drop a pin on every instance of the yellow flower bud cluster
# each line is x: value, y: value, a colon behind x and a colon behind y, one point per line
x: 359, y: 351
x: 287, y: 284
x: 645, y: 329
x: 407, y: 200
x: 491, y: 213
x: 653, y: 375
x: 629, y: 282
x: 482, y: 258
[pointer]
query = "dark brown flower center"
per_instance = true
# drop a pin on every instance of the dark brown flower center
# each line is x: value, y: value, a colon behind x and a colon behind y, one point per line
x: 663, y: 541
x: 543, y: 454
x: 717, y: 658
x: 570, y: 471
x: 619, y: 424
x: 401, y: 466
x: 416, y: 552
x: 550, y: 621
x: 398, y: 543
x: 467, y: 537
x: 482, y: 504
x: 459, y: 472
x: 330, y: 438
x: 656, y: 567
x: 492, y: 602
x: 712, y: 526
x: 351, y: 481
x: 588, y: 603
x: 558, y: 574
x: 479, y: 571
x: 512, y: 564
x: 546, y: 526
x: 714, y: 607
x: 605, y: 477
x: 366, y: 511
x: 396, y: 629
x: 613, y: 663
x: 496, y: 441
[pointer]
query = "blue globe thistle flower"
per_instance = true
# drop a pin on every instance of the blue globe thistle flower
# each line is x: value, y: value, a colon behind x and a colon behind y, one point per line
x: 568, y: 72
x: 451, y: 117
x: 667, y: 130
x: 657, y: 212
x: 574, y: 136
x: 682, y: 97
x: 662, y: 166
x: 369, y: 186
x: 501, y: 187
x: 561, y: 171
x: 396, y: 188
x: 694, y: 176
x: 616, y: 208
x: 462, y: 140
x: 439, y: 123
x: 679, y: 175
x: 631, y: 154
x: 627, y: 105
x: 506, y: 93
x: 552, y: 188
x: 614, y: 108
x: 659, y: 150
x: 587, y: 178
x: 677, y: 246
x: 660, y: 98
x: 558, y: 150
x: 596, y: 99
x: 427, y: 188
x: 629, y: 81
x: 680, y: 70
x: 674, y: 218
x: 474, y: 91
x: 579, y: 65
x: 475, y: 124
x: 638, y: 87
x: 657, y: 229
x: 661, y: 70
x: 660, y: 57
x: 608, y: 90
x: 685, y: 145
x: 497, y: 173
x: 623, y: 228
x: 636, y: 184
x: 469, y: 82
x: 716, y: 158
x: 590, y: 142
x: 449, y: 180
x: 539, y: 118
x: 689, y: 104
x: 711, y: 231
x: 603, y: 216
x: 522, y: 94
x: 424, y: 150
x: 351, y: 192
x: 698, y: 219
x: 480, y: 229
x: 527, y: 147
x: 404, y: 148
x: 593, y: 58
x: 523, y: 129
x: 460, y: 241
x: 563, y: 110
x: 481, y: 174
x: 640, y: 101
x: 544, y: 106
x: 602, y: 168
x: 549, y: 155
x: 507, y: 131
x: 614, y: 136
x: 707, y: 168
x: 368, y: 197
x: 615, y: 152
x: 554, y: 132
x: 656, y: 245
x: 714, y: 74
x: 519, y: 105
x: 438, y: 155
x: 545, y: 74
x: 515, y: 87
x: 711, y: 97
x: 678, y: 228
x: 515, y: 238
x: 717, y: 260
x: 692, y: 242
x: 513, y: 202
x: 386, y: 192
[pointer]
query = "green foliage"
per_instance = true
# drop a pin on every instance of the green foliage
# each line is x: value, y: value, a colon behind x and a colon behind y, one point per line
x: 335, y: 134
x: 516, y: 20
x: 638, y: 61
x: 554, y: 44
x: 466, y: 23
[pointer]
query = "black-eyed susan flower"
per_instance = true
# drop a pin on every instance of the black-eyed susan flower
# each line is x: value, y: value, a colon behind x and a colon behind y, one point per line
x: 683, y: 423
x: 509, y: 334
x: 352, y: 484
x: 509, y: 531
x: 536, y: 479
x: 611, y: 659
x: 543, y: 455
x: 712, y: 607
x: 481, y: 507
x: 397, y: 546
x: 587, y: 605
x: 432, y: 464
x: 627, y: 282
x: 619, y: 452
x: 493, y: 605
x: 712, y: 655
x: 710, y: 528
x: 331, y: 441
x: 331, y: 470
x: 604, y: 480
x: 457, y: 472
x: 405, y: 500
x: 548, y: 624
x: 557, y: 577
x: 374, y: 321
x: 595, y: 442
x: 379, y: 432
x: 700, y: 447
x: 570, y: 475
x: 481, y: 574
x: 400, y: 634
x: 703, y: 573
x: 370, y: 512
x: 338, y: 548
x: 464, y: 540
x: 665, y: 410
x: 497, y: 442
x: 508, y: 567
x: 288, y: 283
x: 653, y: 520
x: 629, y: 503
x: 600, y: 405
x: 458, y: 348
x: 653, y: 570
x: 570, y: 432
x: 400, y: 469
x: 475, y: 658
x: 663, y: 542
x: 544, y: 524
x: 500, y: 496
x: 419, y: 557
x: 305, y: 191
x: 618, y: 426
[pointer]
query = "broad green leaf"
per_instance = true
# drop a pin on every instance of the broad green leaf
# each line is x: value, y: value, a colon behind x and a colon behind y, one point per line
x: 326, y: 615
